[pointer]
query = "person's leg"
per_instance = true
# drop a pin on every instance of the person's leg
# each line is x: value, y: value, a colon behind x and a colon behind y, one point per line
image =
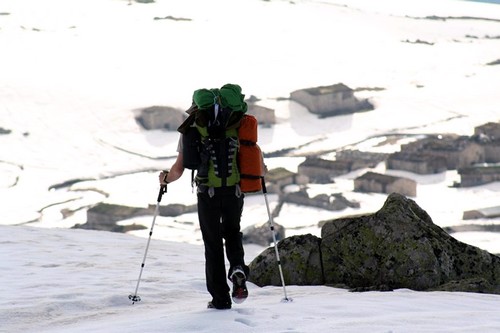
x: 215, y: 269
x: 232, y: 208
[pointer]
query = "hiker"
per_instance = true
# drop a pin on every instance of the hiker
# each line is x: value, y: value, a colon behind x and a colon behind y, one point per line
x: 209, y: 144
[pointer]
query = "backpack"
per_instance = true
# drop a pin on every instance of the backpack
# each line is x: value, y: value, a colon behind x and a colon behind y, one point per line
x: 212, y: 144
x: 250, y: 156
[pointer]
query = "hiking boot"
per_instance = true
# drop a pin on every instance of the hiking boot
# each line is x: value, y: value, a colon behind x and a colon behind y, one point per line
x: 218, y: 305
x: 240, y: 291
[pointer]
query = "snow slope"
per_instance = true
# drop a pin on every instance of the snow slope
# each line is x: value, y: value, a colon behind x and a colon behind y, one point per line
x: 59, y: 280
x: 72, y: 74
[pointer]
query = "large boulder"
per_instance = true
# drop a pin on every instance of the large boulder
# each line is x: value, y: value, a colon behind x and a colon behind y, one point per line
x: 397, y: 247
x: 300, y: 261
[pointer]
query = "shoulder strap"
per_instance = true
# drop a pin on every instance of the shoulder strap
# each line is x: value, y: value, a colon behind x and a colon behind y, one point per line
x: 183, y: 128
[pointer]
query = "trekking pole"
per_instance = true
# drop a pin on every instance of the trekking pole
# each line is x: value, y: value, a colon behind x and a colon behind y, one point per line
x: 271, y: 226
x: 135, y: 298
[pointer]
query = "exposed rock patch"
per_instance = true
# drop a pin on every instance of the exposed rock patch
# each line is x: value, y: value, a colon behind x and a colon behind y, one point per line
x: 397, y: 247
x: 301, y: 263
x: 5, y: 131
x: 263, y: 234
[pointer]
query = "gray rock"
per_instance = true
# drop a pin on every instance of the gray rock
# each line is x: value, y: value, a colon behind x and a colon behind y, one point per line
x: 330, y: 100
x: 300, y: 259
x: 263, y: 235
x: 175, y: 209
x: 104, y: 216
x: 397, y: 247
x: 160, y: 117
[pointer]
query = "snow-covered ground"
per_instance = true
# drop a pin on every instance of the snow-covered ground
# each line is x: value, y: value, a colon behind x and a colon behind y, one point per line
x: 60, y: 280
x: 73, y: 72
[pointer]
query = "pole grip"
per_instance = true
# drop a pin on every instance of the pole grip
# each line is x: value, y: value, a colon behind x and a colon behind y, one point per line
x: 263, y: 182
x: 163, y: 190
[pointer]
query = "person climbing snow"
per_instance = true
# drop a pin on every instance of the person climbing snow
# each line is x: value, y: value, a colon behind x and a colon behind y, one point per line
x: 210, y: 145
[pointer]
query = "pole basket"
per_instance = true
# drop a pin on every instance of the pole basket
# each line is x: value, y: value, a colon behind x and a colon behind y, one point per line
x: 134, y: 298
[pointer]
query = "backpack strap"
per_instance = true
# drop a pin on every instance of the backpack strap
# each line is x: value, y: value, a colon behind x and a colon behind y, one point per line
x: 193, y: 182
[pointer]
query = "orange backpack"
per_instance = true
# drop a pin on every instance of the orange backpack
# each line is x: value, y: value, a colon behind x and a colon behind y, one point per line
x: 249, y: 156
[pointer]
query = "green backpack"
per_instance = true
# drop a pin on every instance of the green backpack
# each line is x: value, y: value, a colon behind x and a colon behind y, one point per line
x: 210, y: 136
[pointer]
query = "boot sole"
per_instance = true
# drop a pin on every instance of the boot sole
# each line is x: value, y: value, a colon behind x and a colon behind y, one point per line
x: 240, y: 291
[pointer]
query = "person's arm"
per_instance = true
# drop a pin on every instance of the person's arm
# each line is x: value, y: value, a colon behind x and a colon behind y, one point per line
x: 174, y: 173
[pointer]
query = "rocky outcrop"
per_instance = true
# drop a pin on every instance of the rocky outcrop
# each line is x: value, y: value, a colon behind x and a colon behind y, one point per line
x: 332, y: 202
x: 301, y: 263
x: 380, y: 183
x: 397, y: 247
x: 265, y: 116
x: 262, y: 234
x: 174, y: 209
x: 104, y: 216
x: 479, y: 175
x: 160, y: 117
x: 333, y: 100
x: 5, y: 131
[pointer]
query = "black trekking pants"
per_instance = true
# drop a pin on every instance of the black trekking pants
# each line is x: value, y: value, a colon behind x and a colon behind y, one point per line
x: 219, y: 218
